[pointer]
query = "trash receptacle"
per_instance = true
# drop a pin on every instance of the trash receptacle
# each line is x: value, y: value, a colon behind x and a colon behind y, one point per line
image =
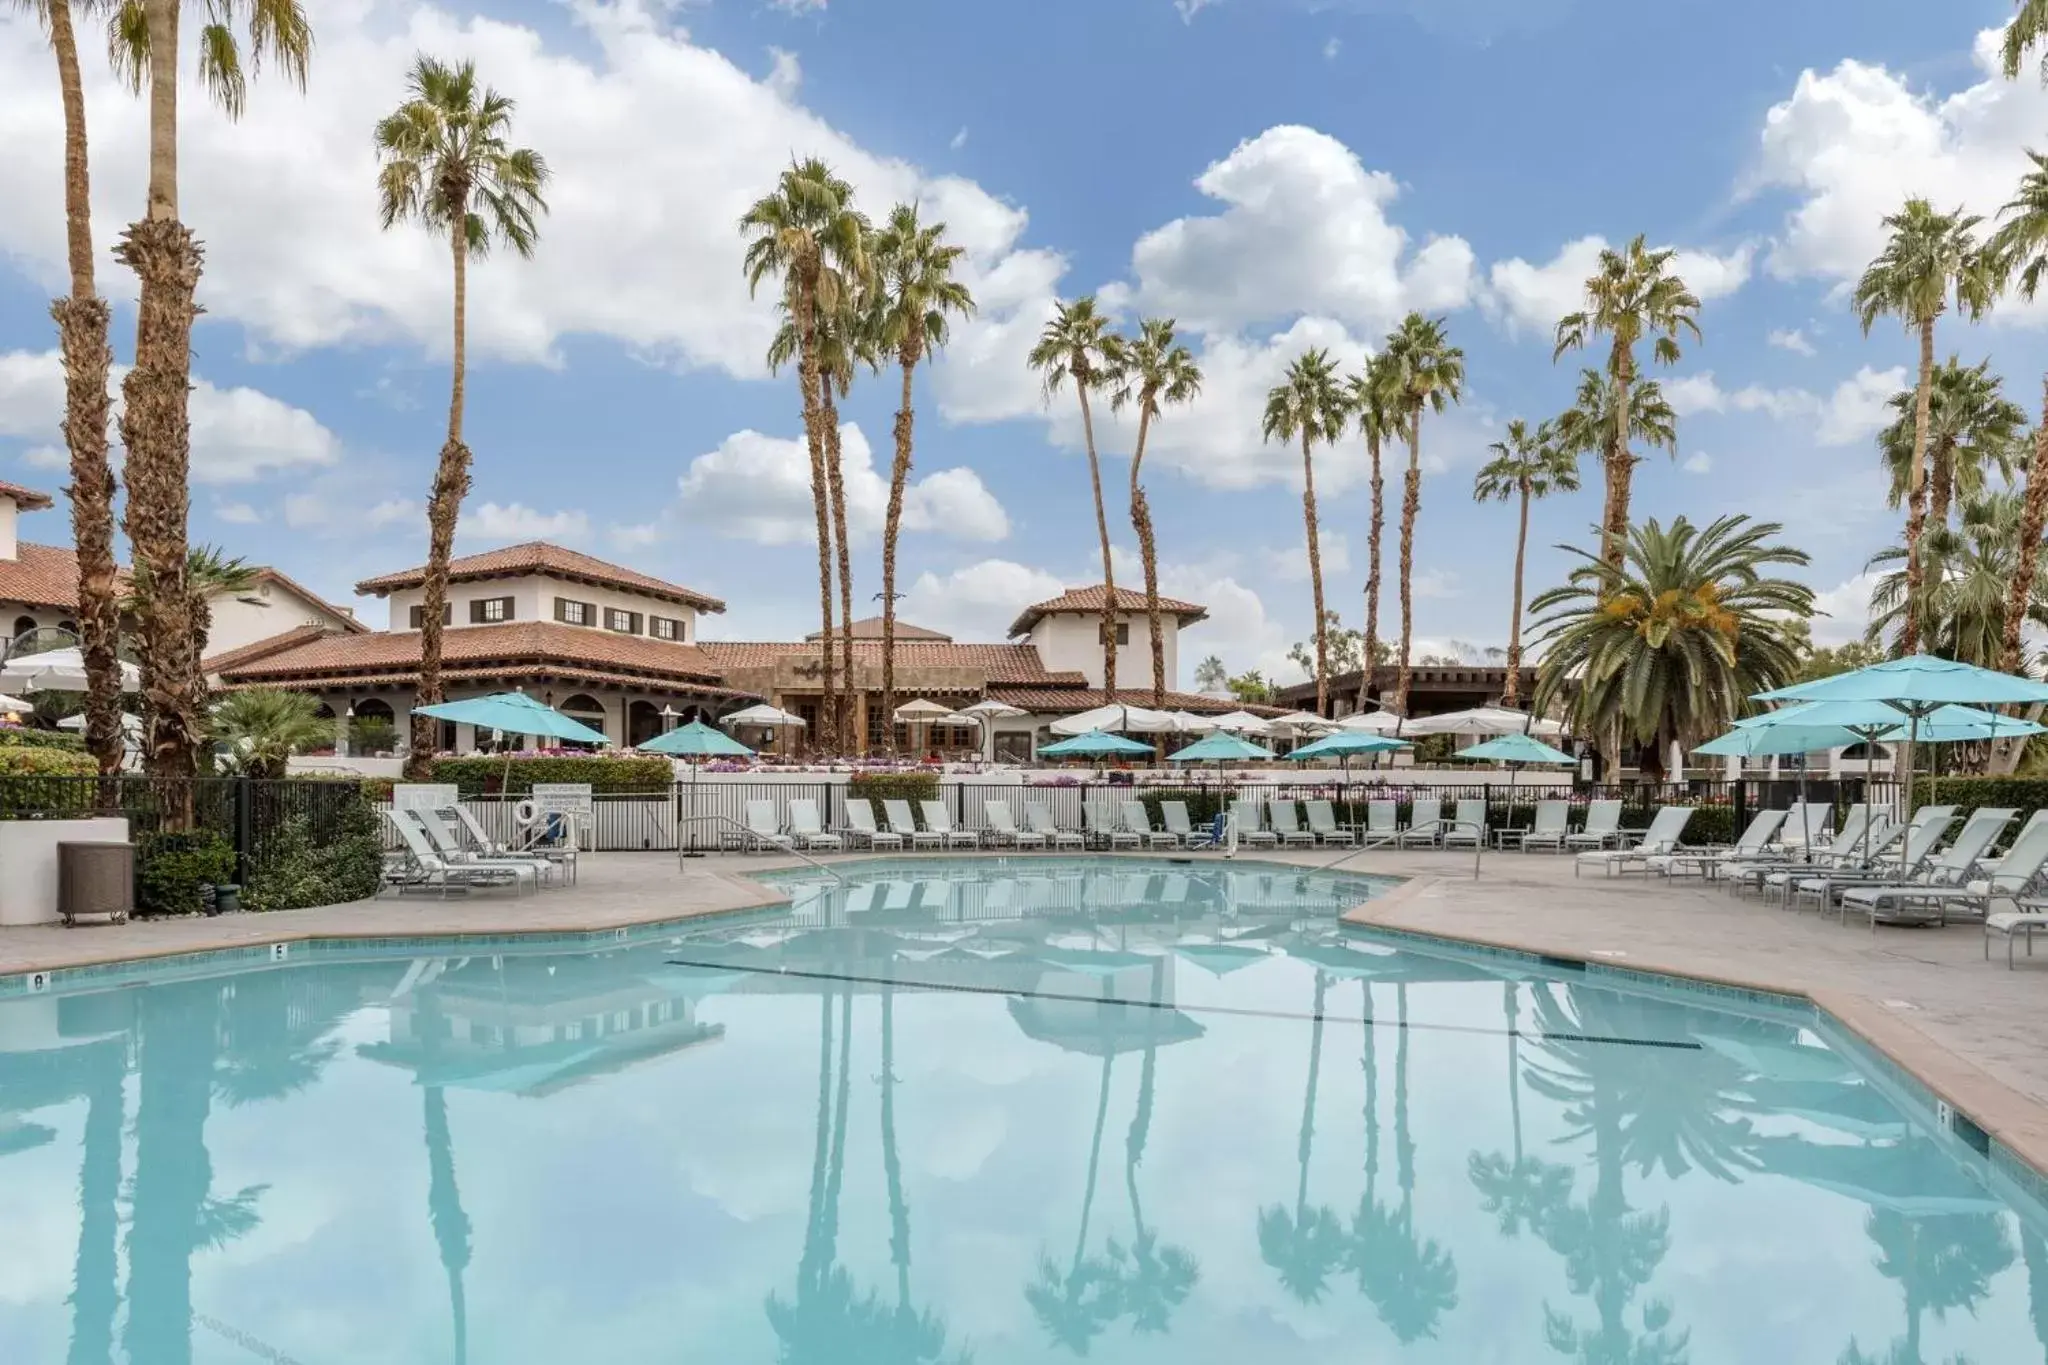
x: 95, y: 878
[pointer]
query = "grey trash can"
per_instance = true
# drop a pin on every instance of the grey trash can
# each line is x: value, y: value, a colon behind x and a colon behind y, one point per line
x: 95, y: 879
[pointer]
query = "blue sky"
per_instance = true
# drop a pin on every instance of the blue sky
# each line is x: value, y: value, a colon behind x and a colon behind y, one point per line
x: 1274, y: 174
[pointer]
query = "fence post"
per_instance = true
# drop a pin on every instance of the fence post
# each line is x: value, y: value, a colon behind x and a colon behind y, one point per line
x: 245, y: 830
x: 1738, y: 805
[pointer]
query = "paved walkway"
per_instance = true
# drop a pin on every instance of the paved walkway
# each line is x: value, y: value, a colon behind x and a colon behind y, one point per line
x: 1974, y: 1032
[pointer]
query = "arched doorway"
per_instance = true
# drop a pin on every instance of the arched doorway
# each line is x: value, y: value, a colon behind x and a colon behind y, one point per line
x: 643, y: 722
x: 587, y: 710
x: 373, y: 729
x: 23, y: 625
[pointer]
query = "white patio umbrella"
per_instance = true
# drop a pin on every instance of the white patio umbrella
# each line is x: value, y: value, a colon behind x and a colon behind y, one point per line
x: 58, y: 670
x: 986, y: 713
x: 1371, y: 723
x: 1116, y: 718
x: 8, y: 703
x: 130, y: 725
x: 765, y: 717
x: 921, y: 712
x: 1484, y: 720
x: 1300, y: 723
x: 1188, y: 723
x: 1242, y: 723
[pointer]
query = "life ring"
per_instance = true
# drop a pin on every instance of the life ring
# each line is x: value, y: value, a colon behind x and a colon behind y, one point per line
x: 526, y: 813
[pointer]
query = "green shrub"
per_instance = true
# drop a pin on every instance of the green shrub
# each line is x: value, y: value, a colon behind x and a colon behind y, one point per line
x: 894, y: 786
x: 22, y: 737
x: 487, y: 776
x: 2025, y: 794
x: 293, y: 869
x: 171, y: 867
x: 34, y: 761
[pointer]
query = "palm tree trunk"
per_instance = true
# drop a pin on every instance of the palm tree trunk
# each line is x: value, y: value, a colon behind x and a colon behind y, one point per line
x: 1620, y: 464
x: 825, y: 736
x: 82, y: 320
x: 156, y: 429
x: 1514, y: 689
x: 2033, y: 517
x: 444, y: 509
x: 1941, y: 482
x: 1916, y: 490
x: 1094, y: 1165
x: 1372, y: 575
x: 1148, y: 555
x: 1315, y: 575
x: 852, y: 741
x: 1411, y: 503
x: 1101, y: 530
x: 892, y: 522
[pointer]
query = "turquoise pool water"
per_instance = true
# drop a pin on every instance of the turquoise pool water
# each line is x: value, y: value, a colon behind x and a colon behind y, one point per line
x: 1137, y: 1112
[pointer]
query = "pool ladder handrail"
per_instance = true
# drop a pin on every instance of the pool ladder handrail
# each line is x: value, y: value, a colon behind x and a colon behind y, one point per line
x: 747, y: 832
x: 1478, y: 843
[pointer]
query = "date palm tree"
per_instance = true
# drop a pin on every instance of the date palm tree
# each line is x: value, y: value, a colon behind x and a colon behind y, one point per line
x: 1971, y: 426
x: 1079, y: 347
x: 2019, y: 251
x: 1156, y: 371
x: 1670, y: 645
x: 1426, y: 373
x: 1965, y: 577
x: 165, y: 256
x: 1308, y: 405
x: 916, y: 298
x: 1928, y: 258
x: 81, y: 318
x: 1632, y: 296
x: 445, y: 162
x: 1373, y: 405
x: 808, y: 233
x: 1529, y: 464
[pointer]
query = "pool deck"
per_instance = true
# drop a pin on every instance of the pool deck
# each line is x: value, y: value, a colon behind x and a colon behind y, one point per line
x: 1973, y: 1032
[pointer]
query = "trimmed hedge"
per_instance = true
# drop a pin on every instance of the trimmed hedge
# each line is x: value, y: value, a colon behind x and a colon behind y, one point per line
x: 22, y: 737
x: 294, y: 870
x: 34, y: 761
x: 486, y: 776
x: 2026, y: 794
x: 171, y: 867
x: 912, y: 787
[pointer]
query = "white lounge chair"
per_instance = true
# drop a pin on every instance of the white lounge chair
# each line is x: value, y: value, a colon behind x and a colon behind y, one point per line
x: 1923, y: 835
x: 1002, y: 823
x: 1139, y: 821
x: 1382, y: 822
x: 1425, y: 822
x: 1661, y: 837
x: 1174, y: 816
x: 762, y: 829
x: 1322, y: 822
x: 445, y: 831
x: 424, y: 867
x: 2013, y: 876
x: 861, y: 830
x: 904, y: 824
x: 1603, y: 827
x: 1104, y: 829
x: 1754, y: 840
x: 1551, y: 826
x: 1287, y: 824
x: 1244, y: 813
x: 1467, y: 828
x: 1038, y: 818
x: 808, y: 829
x: 939, y: 821
x: 1955, y: 866
x: 1741, y: 874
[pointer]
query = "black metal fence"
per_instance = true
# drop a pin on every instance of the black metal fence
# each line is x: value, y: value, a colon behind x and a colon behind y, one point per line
x: 244, y: 811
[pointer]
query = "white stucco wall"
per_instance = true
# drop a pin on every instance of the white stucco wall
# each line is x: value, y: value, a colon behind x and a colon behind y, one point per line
x: 1073, y: 642
x: 533, y: 599
x: 237, y: 622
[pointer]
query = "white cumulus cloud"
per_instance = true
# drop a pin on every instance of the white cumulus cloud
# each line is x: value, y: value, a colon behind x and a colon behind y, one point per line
x: 516, y: 521
x: 1853, y: 411
x: 979, y: 600
x: 1791, y: 339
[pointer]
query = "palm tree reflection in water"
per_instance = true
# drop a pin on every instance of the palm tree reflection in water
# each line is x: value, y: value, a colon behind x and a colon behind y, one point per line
x: 1308, y: 1245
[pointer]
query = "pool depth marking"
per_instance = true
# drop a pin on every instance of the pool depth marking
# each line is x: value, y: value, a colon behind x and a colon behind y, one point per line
x: 1237, y: 1010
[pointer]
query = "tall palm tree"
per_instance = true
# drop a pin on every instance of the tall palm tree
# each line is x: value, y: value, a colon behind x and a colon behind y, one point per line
x: 1631, y: 296
x: 1078, y: 346
x: 1426, y: 373
x: 1971, y: 427
x: 2028, y: 27
x: 81, y: 319
x: 209, y: 572
x: 1928, y: 258
x: 446, y: 164
x: 1156, y: 371
x: 1585, y: 427
x: 1309, y: 406
x: 165, y: 256
x: 1670, y: 645
x: 1528, y: 465
x: 1374, y: 405
x: 1965, y: 577
x: 916, y: 296
x: 2019, y: 248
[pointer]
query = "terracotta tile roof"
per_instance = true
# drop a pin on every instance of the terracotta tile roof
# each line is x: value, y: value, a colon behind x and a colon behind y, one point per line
x: 1091, y: 598
x: 40, y: 576
x: 26, y: 499
x: 870, y: 628
x: 530, y: 643
x: 265, y: 647
x: 533, y: 673
x: 1067, y: 700
x: 541, y: 557
x: 999, y: 663
x: 342, y: 614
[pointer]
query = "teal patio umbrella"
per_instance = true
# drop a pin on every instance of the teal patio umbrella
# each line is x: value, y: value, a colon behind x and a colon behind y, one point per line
x: 1345, y: 743
x: 1916, y: 687
x: 1219, y: 746
x: 1094, y: 744
x: 695, y: 741
x: 1517, y: 752
x: 1776, y: 733
x: 514, y: 713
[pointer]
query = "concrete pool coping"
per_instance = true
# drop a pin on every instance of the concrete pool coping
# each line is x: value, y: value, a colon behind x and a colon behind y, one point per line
x: 1529, y: 906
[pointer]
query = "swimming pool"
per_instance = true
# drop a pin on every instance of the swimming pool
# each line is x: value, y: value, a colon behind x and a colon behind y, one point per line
x: 1010, y: 1111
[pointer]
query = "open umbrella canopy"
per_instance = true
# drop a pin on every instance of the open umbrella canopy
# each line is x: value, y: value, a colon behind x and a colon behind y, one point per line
x: 1918, y: 683
x: 1372, y: 722
x: 1188, y: 723
x: 765, y: 716
x: 1345, y: 744
x: 922, y: 710
x: 696, y: 740
x: 1241, y: 723
x: 1094, y: 744
x: 1483, y: 720
x: 1116, y: 718
x: 515, y: 713
x: 1516, y: 749
x: 1764, y: 741
x: 58, y: 670
x: 992, y: 707
x: 1220, y: 747
x: 1301, y: 723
